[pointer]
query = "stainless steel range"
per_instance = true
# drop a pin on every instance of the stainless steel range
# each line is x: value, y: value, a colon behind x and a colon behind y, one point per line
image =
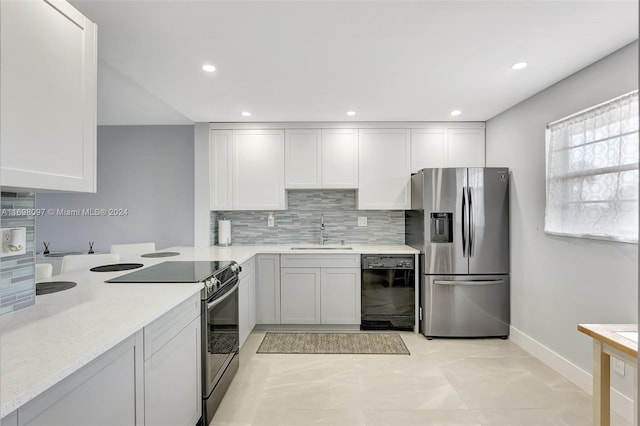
x: 219, y: 317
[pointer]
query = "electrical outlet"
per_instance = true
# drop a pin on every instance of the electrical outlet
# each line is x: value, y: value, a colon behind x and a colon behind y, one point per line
x: 618, y: 366
x: 362, y: 221
x: 271, y: 221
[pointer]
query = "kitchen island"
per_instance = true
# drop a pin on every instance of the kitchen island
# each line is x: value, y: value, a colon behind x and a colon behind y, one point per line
x: 44, y: 344
x: 621, y: 342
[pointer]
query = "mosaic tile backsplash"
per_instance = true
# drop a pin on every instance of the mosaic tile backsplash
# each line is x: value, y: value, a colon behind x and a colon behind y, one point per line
x: 300, y: 224
x: 17, y: 273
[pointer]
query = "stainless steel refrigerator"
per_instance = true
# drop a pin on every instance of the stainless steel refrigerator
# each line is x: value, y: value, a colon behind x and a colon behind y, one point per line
x: 460, y: 223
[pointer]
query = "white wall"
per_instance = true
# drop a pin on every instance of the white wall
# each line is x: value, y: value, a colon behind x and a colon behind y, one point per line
x: 147, y: 170
x: 558, y: 282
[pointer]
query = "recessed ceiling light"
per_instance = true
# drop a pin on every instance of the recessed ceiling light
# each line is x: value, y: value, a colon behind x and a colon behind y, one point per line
x: 246, y: 114
x: 456, y: 112
x: 351, y: 113
x: 519, y: 66
x: 208, y: 68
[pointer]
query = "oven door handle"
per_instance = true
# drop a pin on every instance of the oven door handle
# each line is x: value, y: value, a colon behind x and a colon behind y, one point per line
x: 226, y: 295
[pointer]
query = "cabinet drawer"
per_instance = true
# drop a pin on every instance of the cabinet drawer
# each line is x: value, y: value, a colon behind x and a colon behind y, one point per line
x: 159, y: 332
x: 320, y: 261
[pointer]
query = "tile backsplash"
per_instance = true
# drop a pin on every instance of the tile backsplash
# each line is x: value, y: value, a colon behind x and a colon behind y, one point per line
x: 17, y: 273
x: 300, y: 224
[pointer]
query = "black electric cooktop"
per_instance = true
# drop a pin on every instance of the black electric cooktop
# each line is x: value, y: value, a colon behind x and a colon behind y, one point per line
x: 173, y: 272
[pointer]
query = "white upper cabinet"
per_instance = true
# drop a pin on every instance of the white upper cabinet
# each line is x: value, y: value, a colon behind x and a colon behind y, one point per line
x: 220, y: 143
x: 258, y: 170
x: 447, y: 147
x: 428, y: 149
x: 302, y: 158
x: 340, y: 158
x: 47, y: 97
x: 326, y: 158
x: 384, y: 169
x: 465, y: 147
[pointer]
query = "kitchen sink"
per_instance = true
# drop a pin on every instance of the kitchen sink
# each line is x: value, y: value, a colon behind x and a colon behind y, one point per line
x: 322, y: 247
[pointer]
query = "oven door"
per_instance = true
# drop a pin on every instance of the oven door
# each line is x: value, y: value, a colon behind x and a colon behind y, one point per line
x: 221, y: 334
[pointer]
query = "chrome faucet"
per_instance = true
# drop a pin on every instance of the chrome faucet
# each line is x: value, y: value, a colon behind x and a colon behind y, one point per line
x: 322, y: 230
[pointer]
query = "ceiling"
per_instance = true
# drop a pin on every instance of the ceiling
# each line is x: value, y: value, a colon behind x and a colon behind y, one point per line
x: 303, y: 60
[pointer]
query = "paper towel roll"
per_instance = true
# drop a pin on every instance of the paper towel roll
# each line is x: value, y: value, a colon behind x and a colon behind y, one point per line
x: 224, y: 233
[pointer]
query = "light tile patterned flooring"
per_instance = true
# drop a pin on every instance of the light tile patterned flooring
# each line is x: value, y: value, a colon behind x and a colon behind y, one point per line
x: 443, y: 382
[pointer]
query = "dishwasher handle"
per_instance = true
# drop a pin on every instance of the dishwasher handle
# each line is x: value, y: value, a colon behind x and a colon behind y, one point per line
x: 469, y: 283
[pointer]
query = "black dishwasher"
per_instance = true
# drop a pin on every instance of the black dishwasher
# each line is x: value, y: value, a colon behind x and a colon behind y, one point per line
x: 388, y: 292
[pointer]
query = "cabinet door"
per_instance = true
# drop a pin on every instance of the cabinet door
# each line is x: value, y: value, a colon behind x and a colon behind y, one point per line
x: 385, y: 172
x: 339, y: 158
x: 465, y: 148
x: 104, y: 392
x: 302, y: 151
x: 340, y: 296
x: 428, y: 149
x: 48, y: 93
x: 258, y: 170
x: 251, y: 281
x: 10, y: 419
x: 300, y: 295
x: 246, y: 300
x: 268, y: 289
x: 220, y: 148
x: 172, y: 380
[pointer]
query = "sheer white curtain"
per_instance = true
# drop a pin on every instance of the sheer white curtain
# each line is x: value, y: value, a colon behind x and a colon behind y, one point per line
x: 592, y: 172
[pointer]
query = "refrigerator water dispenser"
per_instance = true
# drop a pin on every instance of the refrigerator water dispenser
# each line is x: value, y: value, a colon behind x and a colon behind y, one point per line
x: 441, y: 227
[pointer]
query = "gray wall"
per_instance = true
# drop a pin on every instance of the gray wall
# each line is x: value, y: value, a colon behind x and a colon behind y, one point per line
x: 147, y: 170
x: 300, y: 223
x: 558, y: 282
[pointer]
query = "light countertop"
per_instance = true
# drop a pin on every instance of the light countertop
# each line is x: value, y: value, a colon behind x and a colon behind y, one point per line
x: 618, y: 336
x: 64, y: 331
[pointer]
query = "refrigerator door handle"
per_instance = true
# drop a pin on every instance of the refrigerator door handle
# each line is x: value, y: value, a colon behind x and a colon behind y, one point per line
x: 486, y: 282
x: 470, y: 216
x: 464, y: 222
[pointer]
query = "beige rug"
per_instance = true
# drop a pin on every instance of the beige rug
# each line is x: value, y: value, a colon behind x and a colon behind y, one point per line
x: 333, y: 343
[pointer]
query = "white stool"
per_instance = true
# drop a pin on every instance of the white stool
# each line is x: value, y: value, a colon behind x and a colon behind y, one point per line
x: 74, y: 262
x: 44, y: 272
x: 126, y: 250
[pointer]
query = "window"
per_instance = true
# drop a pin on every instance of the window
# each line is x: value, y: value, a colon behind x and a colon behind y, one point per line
x: 592, y: 172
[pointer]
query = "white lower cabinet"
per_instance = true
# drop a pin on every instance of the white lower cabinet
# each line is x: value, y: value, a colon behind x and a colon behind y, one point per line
x: 172, y: 392
x: 247, y: 299
x: 268, y: 289
x: 152, y: 378
x: 10, y: 419
x: 300, y: 295
x: 317, y: 289
x: 104, y: 392
x: 340, y: 295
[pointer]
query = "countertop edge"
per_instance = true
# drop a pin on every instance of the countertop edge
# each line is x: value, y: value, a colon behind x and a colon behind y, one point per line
x: 239, y: 253
x: 606, y: 333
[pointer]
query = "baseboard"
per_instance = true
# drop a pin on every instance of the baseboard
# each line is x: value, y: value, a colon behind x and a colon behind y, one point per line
x: 620, y: 403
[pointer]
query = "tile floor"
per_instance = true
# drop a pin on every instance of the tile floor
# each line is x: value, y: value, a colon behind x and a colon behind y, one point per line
x: 443, y: 382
